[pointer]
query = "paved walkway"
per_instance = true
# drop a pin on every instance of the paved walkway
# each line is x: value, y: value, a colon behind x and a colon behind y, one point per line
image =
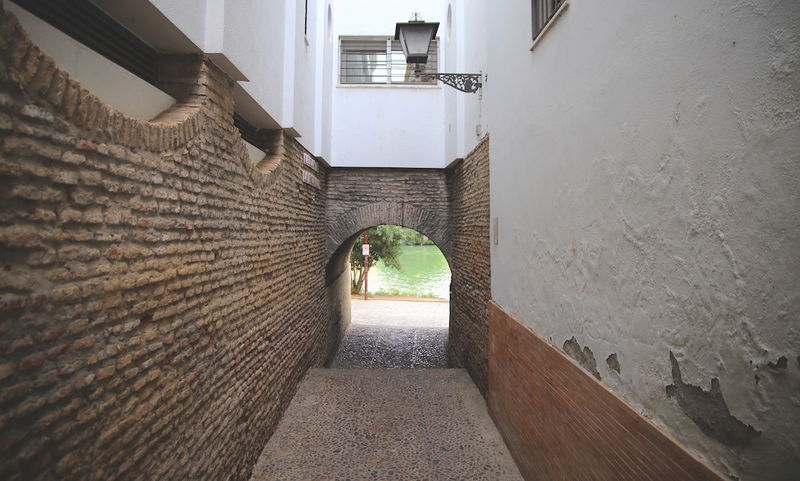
x: 391, y: 313
x: 387, y: 334
x: 381, y: 421
x: 425, y: 424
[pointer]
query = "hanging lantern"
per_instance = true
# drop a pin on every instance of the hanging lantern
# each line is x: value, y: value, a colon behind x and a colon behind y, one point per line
x: 415, y: 37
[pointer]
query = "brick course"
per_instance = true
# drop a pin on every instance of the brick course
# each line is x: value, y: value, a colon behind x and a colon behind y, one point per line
x: 361, y: 198
x: 160, y: 295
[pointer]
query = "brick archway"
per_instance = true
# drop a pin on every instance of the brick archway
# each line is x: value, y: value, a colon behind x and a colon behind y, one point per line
x: 359, y: 198
x: 431, y: 224
x: 451, y: 207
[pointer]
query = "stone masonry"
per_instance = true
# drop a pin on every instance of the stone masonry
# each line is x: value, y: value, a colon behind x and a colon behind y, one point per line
x: 470, y: 288
x: 160, y: 296
x: 362, y: 198
x: 451, y: 207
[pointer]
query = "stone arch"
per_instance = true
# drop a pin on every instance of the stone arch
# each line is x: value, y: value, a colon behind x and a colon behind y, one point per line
x: 350, y: 223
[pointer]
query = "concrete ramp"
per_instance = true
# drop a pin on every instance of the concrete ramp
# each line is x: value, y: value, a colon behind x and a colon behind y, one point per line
x: 386, y: 425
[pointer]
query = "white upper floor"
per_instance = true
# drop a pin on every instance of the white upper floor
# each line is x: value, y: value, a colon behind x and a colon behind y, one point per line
x: 275, y: 50
x: 285, y: 58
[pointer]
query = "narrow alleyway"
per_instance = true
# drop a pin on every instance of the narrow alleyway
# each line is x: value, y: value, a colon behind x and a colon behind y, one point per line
x: 426, y: 424
x: 612, y: 188
x: 384, y: 411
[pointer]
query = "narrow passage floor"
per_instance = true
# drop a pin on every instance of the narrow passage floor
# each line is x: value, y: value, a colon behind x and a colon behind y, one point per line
x: 359, y: 424
x: 379, y: 420
x: 391, y: 334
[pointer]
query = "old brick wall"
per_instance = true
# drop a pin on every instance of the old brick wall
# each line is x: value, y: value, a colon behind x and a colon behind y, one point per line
x: 160, y: 296
x: 359, y: 198
x: 470, y: 288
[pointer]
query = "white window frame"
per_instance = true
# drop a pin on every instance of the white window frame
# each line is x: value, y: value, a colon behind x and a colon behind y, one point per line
x: 388, y: 59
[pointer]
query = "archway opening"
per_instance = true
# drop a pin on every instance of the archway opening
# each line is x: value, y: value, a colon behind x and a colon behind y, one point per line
x: 403, y: 321
x: 403, y: 264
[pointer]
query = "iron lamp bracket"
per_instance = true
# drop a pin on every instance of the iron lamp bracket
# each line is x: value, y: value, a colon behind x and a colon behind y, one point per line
x: 465, y: 82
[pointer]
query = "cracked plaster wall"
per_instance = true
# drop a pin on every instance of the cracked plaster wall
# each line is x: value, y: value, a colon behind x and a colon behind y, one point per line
x: 646, y: 182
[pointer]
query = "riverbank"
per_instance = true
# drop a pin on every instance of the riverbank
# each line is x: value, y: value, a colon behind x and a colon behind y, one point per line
x: 423, y: 273
x: 382, y: 297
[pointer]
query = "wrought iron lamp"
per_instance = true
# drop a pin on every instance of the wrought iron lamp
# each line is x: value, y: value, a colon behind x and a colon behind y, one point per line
x: 415, y: 37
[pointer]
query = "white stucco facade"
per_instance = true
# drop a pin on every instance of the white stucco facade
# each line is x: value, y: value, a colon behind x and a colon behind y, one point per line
x: 285, y: 62
x: 379, y: 125
x: 278, y: 63
x: 388, y: 127
x: 410, y: 126
x: 645, y: 176
x: 464, y: 34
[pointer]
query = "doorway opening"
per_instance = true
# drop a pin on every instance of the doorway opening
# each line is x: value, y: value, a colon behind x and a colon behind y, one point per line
x: 402, y: 322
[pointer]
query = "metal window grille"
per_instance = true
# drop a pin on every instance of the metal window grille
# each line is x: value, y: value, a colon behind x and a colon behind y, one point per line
x: 376, y: 61
x: 305, y: 21
x: 543, y: 11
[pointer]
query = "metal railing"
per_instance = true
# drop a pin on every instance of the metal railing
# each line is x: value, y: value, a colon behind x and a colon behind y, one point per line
x: 543, y: 11
x: 380, y: 61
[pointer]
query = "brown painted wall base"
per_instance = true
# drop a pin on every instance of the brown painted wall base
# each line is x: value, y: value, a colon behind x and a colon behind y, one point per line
x: 562, y: 424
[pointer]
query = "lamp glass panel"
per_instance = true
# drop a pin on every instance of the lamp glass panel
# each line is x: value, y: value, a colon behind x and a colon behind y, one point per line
x: 415, y: 38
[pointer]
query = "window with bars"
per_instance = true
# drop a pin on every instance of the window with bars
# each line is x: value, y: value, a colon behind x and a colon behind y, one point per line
x: 543, y: 13
x: 380, y: 60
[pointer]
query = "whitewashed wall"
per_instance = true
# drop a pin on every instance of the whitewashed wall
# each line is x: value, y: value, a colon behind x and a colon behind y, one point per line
x: 391, y: 127
x: 327, y: 82
x: 645, y: 172
x: 465, y: 44
x: 376, y: 126
x: 259, y: 38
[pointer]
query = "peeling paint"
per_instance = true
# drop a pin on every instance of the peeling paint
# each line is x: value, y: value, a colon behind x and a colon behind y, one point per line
x: 584, y: 357
x: 782, y: 363
x: 613, y: 362
x: 708, y: 410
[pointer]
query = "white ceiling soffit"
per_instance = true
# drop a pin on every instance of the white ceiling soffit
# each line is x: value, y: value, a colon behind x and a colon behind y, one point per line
x: 248, y: 108
x: 148, y: 23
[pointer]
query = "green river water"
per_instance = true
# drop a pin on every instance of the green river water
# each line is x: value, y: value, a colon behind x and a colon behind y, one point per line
x: 424, y: 273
